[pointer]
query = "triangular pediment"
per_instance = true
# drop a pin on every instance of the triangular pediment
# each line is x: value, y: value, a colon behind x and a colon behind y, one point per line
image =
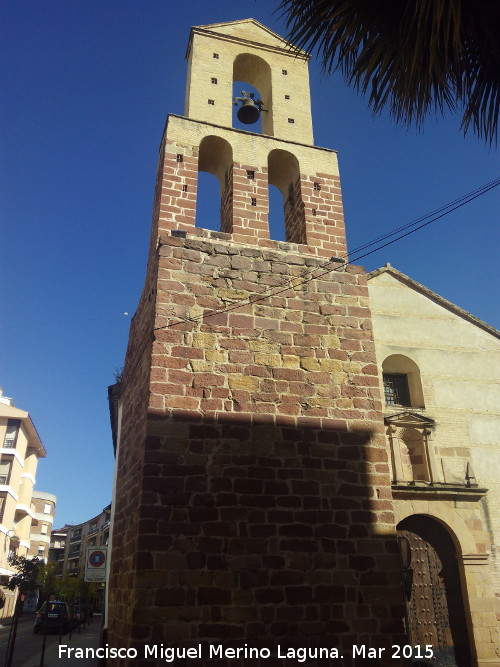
x: 388, y: 272
x: 409, y: 419
x: 249, y: 31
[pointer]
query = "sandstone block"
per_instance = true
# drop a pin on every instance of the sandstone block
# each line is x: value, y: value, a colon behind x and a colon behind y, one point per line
x: 264, y: 359
x: 331, y: 341
x: 260, y: 345
x: 243, y: 382
x: 204, y: 340
x: 226, y: 294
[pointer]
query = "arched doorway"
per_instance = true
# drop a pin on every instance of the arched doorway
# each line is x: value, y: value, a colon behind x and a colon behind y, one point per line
x: 433, y: 593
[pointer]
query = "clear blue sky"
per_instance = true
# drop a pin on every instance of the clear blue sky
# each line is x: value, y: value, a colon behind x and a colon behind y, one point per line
x: 86, y: 86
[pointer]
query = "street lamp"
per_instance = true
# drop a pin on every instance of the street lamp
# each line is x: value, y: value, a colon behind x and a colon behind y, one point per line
x: 14, y: 541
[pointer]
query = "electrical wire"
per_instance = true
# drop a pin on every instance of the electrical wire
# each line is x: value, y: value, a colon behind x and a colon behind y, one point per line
x: 479, y: 191
x: 293, y: 283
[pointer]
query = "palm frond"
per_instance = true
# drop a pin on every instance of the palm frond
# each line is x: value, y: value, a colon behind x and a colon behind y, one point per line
x: 414, y: 56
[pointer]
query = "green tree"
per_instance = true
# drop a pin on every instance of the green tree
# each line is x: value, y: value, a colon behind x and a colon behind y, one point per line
x: 414, y: 55
x: 46, y: 579
x: 89, y: 591
x: 27, y: 574
x: 69, y: 588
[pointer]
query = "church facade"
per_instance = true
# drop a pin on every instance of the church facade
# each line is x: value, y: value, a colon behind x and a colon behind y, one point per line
x: 438, y: 368
x: 256, y: 487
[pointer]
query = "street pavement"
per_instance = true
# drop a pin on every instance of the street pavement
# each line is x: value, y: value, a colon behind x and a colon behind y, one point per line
x: 28, y: 647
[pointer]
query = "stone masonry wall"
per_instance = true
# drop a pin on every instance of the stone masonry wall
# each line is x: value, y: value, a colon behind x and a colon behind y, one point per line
x: 134, y: 400
x: 262, y: 487
x: 302, y: 348
x: 129, y: 461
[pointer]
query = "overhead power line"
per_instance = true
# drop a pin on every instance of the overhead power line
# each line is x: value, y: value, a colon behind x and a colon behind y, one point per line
x: 421, y: 222
x: 293, y: 283
x: 464, y: 199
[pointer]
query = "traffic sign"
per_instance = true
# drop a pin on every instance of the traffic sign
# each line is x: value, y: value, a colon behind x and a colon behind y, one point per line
x: 95, y: 564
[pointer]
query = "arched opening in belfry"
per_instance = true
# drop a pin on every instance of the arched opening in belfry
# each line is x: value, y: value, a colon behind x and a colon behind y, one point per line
x: 284, y: 174
x: 214, y: 201
x: 253, y: 75
x: 277, y: 231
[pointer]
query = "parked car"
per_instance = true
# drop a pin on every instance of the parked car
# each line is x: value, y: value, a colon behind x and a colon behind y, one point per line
x: 58, y: 617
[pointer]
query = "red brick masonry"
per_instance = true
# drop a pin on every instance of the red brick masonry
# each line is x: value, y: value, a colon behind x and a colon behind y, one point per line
x: 253, y: 496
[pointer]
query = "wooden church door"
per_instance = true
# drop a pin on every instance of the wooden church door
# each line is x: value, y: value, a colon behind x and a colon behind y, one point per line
x: 433, y: 597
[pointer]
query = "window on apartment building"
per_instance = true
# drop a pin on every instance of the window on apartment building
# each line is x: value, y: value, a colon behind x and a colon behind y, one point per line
x: 396, y: 389
x: 5, y: 466
x: 44, y: 529
x: 11, y: 433
x: 41, y: 552
x: 47, y: 508
x: 2, y: 507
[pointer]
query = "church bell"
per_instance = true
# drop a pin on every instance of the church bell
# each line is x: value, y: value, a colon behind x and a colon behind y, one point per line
x: 250, y: 109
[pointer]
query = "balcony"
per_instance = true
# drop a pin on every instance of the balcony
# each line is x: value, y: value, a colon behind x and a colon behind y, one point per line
x: 24, y: 509
x: 57, y: 545
x: 76, y: 538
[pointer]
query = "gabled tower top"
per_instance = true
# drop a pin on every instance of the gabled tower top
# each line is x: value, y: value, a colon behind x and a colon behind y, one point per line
x: 246, y: 51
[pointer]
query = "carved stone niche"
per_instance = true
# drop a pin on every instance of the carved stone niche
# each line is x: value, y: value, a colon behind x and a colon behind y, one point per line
x: 412, y: 458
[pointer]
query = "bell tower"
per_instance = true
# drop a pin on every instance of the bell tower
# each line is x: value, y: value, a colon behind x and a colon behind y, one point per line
x: 247, y: 51
x: 245, y: 162
x: 252, y: 504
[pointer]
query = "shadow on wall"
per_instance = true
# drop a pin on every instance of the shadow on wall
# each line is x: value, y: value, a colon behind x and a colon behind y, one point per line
x: 265, y: 534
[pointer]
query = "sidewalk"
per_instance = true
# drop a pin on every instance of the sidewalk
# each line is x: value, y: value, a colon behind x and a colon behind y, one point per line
x: 88, y: 638
x: 24, y: 618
